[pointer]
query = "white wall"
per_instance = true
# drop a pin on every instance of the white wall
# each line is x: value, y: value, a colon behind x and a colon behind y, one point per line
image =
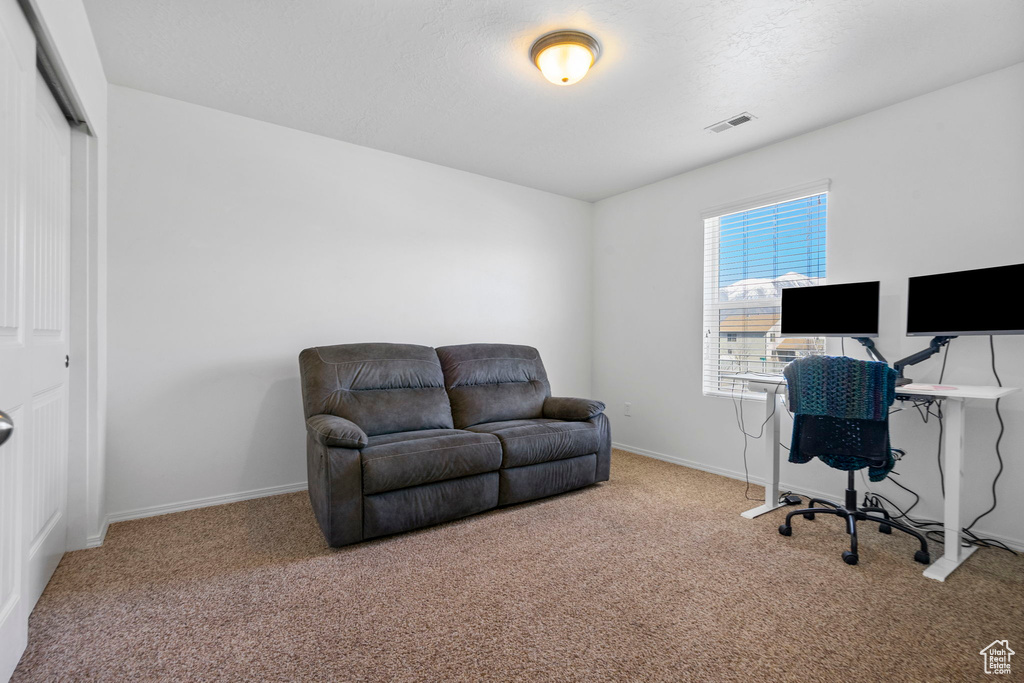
x: 234, y: 244
x: 929, y: 185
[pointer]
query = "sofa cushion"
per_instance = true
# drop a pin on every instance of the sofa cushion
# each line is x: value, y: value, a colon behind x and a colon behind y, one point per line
x: 527, y: 442
x: 382, y: 388
x: 397, y: 461
x: 492, y: 382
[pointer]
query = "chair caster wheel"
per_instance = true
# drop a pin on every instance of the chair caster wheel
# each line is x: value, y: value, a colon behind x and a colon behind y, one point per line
x: 785, y: 530
x: 849, y: 558
x: 885, y: 528
x: 808, y: 515
x: 922, y: 557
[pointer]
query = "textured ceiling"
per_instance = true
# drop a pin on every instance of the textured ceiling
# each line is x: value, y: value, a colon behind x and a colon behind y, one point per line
x: 450, y: 81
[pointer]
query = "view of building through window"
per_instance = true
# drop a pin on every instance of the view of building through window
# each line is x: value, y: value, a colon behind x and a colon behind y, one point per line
x: 750, y: 257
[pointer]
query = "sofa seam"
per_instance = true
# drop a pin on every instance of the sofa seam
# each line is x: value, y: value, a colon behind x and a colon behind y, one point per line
x: 436, y: 386
x: 494, y: 384
x: 429, y: 483
x: 429, y: 450
x: 372, y: 360
x: 534, y: 436
x: 545, y: 462
x: 477, y: 360
x: 424, y: 438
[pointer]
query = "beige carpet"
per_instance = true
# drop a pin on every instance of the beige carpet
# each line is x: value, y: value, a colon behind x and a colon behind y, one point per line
x: 651, y: 576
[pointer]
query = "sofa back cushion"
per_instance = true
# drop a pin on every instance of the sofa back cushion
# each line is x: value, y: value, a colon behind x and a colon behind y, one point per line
x: 493, y: 382
x: 383, y: 388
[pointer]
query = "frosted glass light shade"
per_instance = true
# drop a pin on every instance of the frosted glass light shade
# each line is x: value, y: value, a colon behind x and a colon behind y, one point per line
x: 565, y: 57
x: 565, y: 64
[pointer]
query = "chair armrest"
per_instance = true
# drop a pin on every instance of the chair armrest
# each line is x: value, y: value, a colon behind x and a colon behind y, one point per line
x: 561, y: 408
x: 336, y: 432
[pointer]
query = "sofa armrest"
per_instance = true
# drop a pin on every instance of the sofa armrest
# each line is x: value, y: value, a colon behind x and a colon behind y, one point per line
x: 336, y: 432
x: 561, y: 408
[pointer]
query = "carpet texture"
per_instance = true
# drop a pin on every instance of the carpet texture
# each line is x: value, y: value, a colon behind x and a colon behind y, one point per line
x: 652, y: 576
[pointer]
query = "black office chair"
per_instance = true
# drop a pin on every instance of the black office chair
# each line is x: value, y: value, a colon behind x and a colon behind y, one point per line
x: 841, y: 416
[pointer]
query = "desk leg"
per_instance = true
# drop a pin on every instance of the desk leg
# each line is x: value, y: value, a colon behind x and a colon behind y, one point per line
x: 953, y: 554
x: 771, y: 454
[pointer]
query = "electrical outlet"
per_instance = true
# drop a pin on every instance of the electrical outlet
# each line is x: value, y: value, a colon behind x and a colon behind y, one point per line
x: 629, y: 409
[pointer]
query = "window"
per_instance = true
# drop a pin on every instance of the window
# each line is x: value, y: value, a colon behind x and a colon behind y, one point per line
x: 752, y: 251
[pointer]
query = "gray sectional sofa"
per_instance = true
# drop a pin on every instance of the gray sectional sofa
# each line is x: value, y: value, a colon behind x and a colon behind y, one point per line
x: 402, y: 436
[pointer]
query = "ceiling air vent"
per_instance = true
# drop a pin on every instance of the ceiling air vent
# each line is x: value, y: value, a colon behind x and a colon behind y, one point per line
x: 731, y: 122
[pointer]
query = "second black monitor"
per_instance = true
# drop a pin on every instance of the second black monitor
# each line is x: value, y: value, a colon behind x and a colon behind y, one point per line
x: 847, y: 310
x: 981, y: 301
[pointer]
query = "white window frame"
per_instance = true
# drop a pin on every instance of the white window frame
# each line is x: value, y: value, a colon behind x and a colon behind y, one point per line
x: 709, y: 323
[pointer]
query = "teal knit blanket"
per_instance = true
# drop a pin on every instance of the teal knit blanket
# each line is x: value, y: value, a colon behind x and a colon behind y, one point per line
x: 841, y: 412
x: 837, y: 386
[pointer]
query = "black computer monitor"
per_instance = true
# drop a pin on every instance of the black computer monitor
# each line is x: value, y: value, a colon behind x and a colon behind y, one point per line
x: 981, y: 301
x: 848, y: 310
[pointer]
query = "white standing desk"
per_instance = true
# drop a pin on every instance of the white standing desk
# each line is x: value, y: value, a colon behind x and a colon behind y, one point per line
x: 953, y: 443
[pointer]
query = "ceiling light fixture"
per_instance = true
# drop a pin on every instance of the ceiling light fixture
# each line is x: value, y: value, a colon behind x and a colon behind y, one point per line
x: 565, y: 57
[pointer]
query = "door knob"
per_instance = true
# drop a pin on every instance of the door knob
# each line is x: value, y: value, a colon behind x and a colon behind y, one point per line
x: 6, y: 427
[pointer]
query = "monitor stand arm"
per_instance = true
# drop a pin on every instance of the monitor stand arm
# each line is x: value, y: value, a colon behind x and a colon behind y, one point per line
x: 872, y: 351
x: 933, y: 348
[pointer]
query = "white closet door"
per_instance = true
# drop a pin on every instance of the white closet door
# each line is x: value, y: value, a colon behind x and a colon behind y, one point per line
x: 48, y: 230
x: 34, y: 238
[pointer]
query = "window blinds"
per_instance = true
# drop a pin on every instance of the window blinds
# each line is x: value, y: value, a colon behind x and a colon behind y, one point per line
x: 752, y: 251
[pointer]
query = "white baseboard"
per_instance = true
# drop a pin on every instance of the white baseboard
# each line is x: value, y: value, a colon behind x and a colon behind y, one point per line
x: 169, y: 508
x: 1015, y: 543
x: 97, y: 540
x: 731, y: 474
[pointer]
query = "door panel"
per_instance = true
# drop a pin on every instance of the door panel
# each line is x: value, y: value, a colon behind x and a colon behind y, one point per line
x: 46, y: 528
x: 12, y: 104
x: 49, y: 213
